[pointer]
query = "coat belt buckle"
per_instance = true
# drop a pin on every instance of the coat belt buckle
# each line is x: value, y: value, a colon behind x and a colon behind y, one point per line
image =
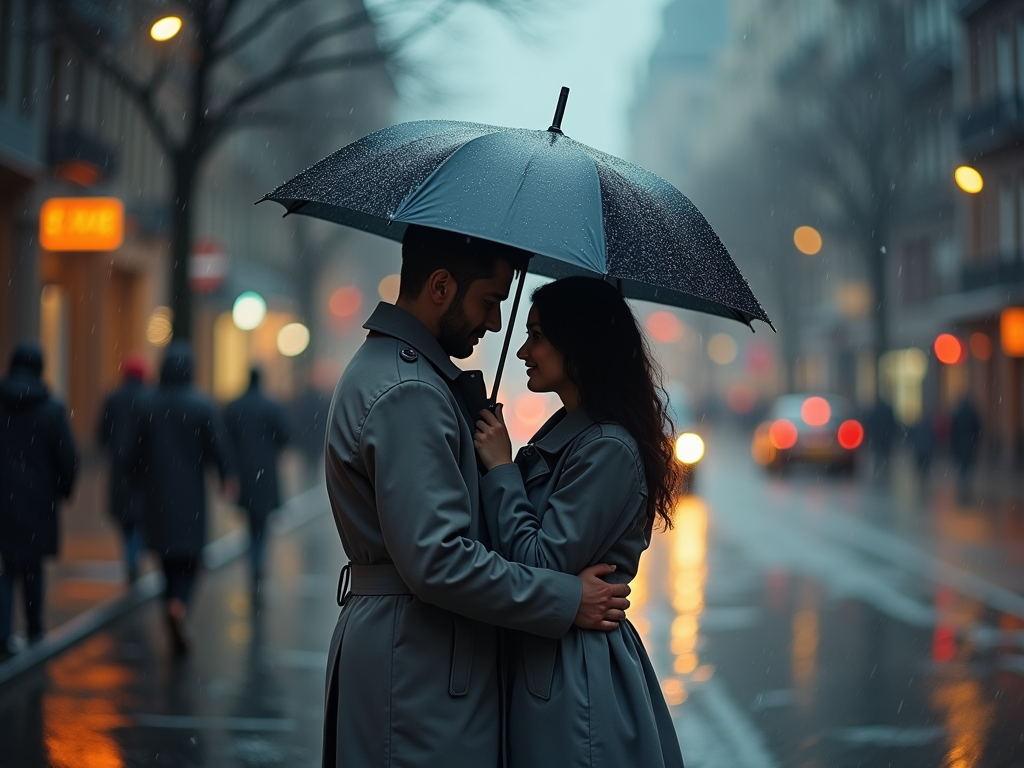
x: 344, y: 584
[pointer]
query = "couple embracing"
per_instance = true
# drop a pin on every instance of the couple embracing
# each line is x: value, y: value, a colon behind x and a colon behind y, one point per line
x: 483, y: 620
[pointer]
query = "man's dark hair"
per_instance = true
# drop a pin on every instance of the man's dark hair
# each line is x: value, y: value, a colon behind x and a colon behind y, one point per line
x: 426, y: 250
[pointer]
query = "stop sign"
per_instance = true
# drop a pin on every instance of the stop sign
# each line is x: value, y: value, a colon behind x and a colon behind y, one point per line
x: 208, y: 265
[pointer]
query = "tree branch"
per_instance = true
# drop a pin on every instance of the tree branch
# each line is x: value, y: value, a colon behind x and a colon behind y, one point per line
x: 253, y: 29
x: 140, y: 93
x: 229, y: 112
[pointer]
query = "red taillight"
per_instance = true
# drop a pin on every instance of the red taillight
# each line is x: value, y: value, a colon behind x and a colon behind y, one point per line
x: 782, y: 434
x: 851, y: 434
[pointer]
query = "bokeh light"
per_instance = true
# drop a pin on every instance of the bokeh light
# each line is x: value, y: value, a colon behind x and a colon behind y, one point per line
x: 807, y: 240
x: 387, y: 288
x: 1011, y: 331
x: 968, y: 179
x: 948, y: 349
x: 249, y: 311
x: 292, y: 339
x: 782, y: 434
x: 741, y: 398
x: 761, y: 448
x: 530, y: 409
x: 850, y: 434
x: 722, y: 348
x: 345, y: 302
x: 159, y: 328
x: 664, y: 327
x: 981, y: 346
x: 815, y: 411
x: 165, y: 28
x: 689, y: 448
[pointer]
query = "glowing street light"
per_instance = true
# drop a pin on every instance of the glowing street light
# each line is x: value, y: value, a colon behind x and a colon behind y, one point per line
x: 807, y: 240
x: 292, y: 339
x: 166, y: 28
x: 249, y: 311
x: 968, y: 179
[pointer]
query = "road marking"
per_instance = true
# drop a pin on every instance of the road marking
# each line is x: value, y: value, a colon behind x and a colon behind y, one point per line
x: 745, y: 740
x: 214, y: 723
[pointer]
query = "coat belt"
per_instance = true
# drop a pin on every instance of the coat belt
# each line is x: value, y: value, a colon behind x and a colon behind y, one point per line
x: 384, y: 579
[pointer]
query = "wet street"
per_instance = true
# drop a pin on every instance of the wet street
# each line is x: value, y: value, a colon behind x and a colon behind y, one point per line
x: 807, y: 620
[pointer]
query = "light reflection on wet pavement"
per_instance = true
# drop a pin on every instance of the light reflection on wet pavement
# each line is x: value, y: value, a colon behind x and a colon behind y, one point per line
x: 823, y: 636
x: 801, y: 622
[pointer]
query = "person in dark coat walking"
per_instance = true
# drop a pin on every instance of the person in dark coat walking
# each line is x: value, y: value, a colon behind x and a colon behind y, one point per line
x: 257, y: 429
x: 118, y: 427
x: 179, y: 436
x: 38, y: 464
x: 964, y: 435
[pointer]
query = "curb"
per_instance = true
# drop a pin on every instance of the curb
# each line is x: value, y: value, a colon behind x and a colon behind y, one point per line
x: 295, y: 513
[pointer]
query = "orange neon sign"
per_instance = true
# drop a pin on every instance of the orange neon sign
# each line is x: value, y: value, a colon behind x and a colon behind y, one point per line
x: 81, y: 224
x: 1011, y: 331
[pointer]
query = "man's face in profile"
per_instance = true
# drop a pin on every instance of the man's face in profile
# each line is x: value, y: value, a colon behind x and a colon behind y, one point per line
x: 474, y: 311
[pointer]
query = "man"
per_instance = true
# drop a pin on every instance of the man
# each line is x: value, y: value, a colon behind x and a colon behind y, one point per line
x: 118, y: 427
x: 257, y: 430
x: 964, y: 436
x: 37, y: 470
x: 413, y: 674
x: 179, y: 436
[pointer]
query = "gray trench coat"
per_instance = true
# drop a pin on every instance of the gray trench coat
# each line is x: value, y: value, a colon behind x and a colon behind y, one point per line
x: 413, y: 679
x: 576, y: 496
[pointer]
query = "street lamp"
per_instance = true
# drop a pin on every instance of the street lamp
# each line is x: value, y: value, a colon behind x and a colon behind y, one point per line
x: 249, y: 311
x: 807, y: 240
x: 968, y: 179
x: 166, y: 28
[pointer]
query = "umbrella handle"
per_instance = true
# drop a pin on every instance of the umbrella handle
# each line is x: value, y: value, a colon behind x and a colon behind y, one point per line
x: 493, y: 399
x: 556, y: 124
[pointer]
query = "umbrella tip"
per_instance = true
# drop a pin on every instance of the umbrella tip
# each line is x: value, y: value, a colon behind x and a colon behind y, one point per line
x: 556, y: 124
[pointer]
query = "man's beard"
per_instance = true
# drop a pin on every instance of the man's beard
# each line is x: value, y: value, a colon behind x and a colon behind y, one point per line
x: 455, y: 332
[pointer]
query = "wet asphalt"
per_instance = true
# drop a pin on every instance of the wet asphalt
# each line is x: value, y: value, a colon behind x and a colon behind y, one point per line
x: 800, y: 621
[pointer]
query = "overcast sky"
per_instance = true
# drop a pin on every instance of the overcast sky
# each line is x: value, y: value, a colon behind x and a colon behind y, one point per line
x: 488, y: 70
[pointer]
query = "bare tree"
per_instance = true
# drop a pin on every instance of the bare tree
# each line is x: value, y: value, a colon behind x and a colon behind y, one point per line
x: 237, y: 53
x: 848, y: 138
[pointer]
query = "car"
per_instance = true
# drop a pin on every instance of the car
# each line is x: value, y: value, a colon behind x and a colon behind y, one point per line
x: 808, y: 429
x: 689, y: 445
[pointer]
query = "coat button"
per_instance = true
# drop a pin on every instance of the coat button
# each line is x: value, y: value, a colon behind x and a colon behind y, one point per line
x: 409, y: 355
x: 528, y: 450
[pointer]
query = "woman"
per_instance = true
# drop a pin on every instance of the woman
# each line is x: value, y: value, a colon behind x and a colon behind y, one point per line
x: 589, y: 488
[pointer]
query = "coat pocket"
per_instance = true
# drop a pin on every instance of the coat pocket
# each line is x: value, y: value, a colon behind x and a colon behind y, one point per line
x: 539, y: 654
x: 462, y: 656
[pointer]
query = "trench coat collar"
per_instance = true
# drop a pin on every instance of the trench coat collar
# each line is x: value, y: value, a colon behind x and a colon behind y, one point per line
x: 561, y: 429
x: 396, y: 322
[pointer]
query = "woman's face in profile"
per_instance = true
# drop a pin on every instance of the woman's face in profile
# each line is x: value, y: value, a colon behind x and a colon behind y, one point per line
x: 545, y: 365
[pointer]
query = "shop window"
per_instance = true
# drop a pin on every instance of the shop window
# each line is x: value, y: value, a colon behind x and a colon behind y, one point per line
x: 53, y: 338
x: 1004, y: 64
x: 6, y: 30
x: 916, y: 271
x: 1007, y: 222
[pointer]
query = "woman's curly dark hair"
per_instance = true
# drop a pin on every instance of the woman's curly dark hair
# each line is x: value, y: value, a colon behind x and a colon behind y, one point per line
x: 609, y: 361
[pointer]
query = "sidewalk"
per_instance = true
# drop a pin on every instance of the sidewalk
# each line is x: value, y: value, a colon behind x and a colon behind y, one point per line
x: 89, y: 571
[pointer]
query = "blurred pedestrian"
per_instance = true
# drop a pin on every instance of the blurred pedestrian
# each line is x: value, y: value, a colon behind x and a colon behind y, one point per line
x: 179, y: 436
x: 118, y: 427
x: 922, y: 441
x: 880, y: 426
x: 309, y: 420
x: 38, y: 464
x: 257, y: 428
x: 964, y: 435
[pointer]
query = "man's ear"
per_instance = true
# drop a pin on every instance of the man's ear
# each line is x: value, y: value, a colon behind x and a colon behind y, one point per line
x: 441, y: 287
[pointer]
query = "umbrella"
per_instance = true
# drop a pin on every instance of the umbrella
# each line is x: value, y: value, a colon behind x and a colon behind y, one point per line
x: 578, y: 210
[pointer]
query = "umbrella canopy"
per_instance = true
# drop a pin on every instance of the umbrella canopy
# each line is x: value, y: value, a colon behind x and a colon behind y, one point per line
x: 579, y: 210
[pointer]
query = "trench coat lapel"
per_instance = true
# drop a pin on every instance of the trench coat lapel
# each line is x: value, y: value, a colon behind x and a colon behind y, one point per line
x: 536, y: 459
x: 467, y: 386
